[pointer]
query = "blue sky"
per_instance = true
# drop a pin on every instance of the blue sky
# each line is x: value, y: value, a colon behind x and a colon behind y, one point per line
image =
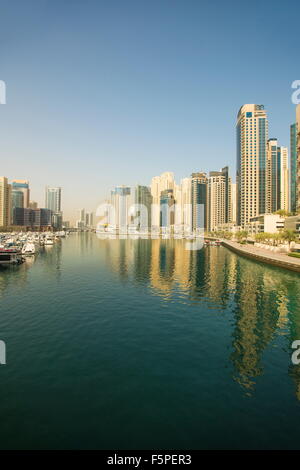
x: 102, y: 93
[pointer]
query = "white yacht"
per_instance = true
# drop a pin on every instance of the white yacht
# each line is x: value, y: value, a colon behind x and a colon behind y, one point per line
x: 29, y: 249
x: 49, y: 241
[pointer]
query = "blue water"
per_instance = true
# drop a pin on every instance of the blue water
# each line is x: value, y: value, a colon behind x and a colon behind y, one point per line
x: 131, y: 344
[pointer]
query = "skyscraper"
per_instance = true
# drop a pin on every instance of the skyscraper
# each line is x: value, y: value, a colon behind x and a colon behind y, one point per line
x: 298, y: 155
x: 53, y: 199
x: 17, y: 201
x: 121, y: 202
x: 53, y: 203
x: 5, y: 202
x: 277, y: 177
x: 252, y: 136
x: 199, y: 200
x: 283, y: 164
x: 293, y: 167
x: 218, y: 199
x: 143, y: 198
x: 89, y: 219
x: 81, y: 222
x: 167, y: 208
x: 22, y: 186
x: 158, y: 184
x: 186, y: 204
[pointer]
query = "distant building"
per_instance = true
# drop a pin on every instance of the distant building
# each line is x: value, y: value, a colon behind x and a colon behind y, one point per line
x: 22, y: 186
x: 89, y: 219
x: 57, y: 218
x: 23, y: 217
x: 277, y: 177
x: 199, y: 200
x: 33, y: 205
x: 53, y: 198
x: 159, y: 184
x: 33, y: 218
x: 5, y: 202
x: 17, y: 200
x: 167, y: 207
x: 121, y: 201
x: 183, y: 205
x: 218, y: 199
x: 143, y: 198
x: 53, y: 203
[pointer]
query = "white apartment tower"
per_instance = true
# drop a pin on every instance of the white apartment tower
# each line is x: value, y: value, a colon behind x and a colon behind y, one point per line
x: 252, y: 136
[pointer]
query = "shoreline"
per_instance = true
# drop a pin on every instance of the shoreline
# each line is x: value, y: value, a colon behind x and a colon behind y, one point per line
x: 258, y: 254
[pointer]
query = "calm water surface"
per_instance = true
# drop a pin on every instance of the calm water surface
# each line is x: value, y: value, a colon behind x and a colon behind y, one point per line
x: 135, y: 344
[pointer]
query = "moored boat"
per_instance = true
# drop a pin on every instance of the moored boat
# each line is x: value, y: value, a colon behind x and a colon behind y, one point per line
x: 10, y: 257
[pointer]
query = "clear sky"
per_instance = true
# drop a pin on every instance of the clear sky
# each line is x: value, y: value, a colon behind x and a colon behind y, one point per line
x: 102, y: 93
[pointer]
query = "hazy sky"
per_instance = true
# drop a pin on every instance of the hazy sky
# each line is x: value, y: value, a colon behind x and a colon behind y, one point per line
x: 102, y: 93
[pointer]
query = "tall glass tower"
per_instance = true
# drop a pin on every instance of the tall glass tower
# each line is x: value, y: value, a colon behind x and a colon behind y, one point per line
x: 53, y: 199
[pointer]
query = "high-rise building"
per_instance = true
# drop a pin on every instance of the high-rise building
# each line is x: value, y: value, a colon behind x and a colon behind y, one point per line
x: 80, y: 223
x: 89, y: 219
x: 5, y: 202
x: 121, y: 202
x: 167, y: 208
x: 186, y: 204
x: 53, y: 199
x: 53, y: 203
x: 283, y: 164
x: 159, y: 184
x: 218, y: 199
x: 199, y: 200
x: 272, y: 177
x: 277, y: 177
x: 233, y: 203
x: 293, y: 167
x: 228, y: 209
x: 23, y: 186
x: 298, y: 155
x: 143, y: 200
x: 252, y: 136
x: 17, y: 201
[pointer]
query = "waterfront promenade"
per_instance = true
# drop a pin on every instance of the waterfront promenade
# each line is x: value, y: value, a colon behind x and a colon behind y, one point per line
x: 276, y: 259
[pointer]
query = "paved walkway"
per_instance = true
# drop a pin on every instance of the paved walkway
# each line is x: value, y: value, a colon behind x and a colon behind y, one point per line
x: 277, y: 259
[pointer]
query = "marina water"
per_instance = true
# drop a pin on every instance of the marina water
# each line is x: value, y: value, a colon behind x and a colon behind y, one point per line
x: 142, y: 344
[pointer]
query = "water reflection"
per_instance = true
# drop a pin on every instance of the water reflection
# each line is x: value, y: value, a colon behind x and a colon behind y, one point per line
x: 50, y: 259
x: 263, y: 301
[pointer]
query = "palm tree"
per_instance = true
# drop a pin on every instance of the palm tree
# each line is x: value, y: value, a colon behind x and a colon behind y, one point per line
x: 290, y: 236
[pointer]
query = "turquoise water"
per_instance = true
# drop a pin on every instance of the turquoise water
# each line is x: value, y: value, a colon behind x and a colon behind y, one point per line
x: 131, y: 344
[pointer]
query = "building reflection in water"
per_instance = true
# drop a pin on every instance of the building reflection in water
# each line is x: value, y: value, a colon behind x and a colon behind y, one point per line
x: 51, y: 259
x: 258, y: 296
